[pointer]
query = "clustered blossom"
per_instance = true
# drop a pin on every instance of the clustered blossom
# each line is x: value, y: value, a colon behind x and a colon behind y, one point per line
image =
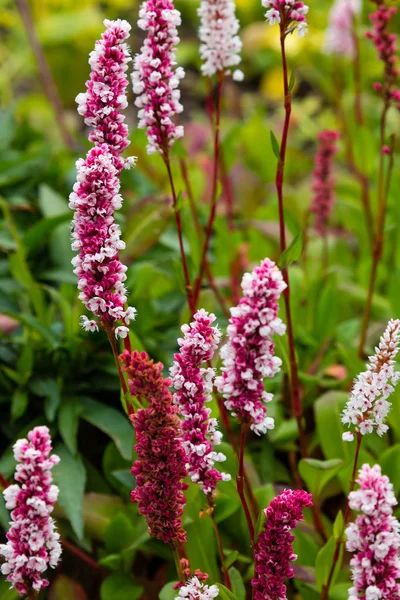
x: 274, y: 551
x: 324, y: 182
x: 220, y: 43
x: 96, y: 236
x: 161, y: 459
x: 385, y: 44
x: 290, y: 14
x: 196, y: 590
x: 95, y: 195
x: 105, y: 98
x: 368, y: 404
x: 193, y: 385
x: 155, y: 79
x: 248, y: 357
x: 33, y: 542
x: 374, y: 538
x: 339, y: 34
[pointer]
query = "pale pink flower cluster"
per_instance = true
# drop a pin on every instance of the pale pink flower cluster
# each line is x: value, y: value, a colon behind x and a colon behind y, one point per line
x: 95, y: 195
x: 96, y: 236
x: 105, y: 98
x: 339, y: 34
x: 374, y: 538
x: 193, y: 384
x: 289, y: 14
x: 33, y: 542
x: 155, y: 79
x: 197, y: 590
x: 248, y: 357
x: 368, y: 404
x: 220, y: 43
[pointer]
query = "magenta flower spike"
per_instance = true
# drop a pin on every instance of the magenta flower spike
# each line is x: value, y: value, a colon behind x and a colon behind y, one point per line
x: 220, y: 43
x: 155, y: 77
x: 95, y: 196
x: 161, y: 459
x: 274, y: 551
x: 291, y: 14
x: 324, y: 182
x: 248, y: 357
x: 368, y: 406
x: 374, y: 538
x: 105, y: 99
x: 193, y: 384
x: 386, y: 46
x: 33, y: 542
x: 339, y: 38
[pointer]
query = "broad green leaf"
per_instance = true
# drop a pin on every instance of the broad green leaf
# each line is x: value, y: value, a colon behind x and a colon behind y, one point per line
x: 99, y: 510
x: 37, y: 235
x: 168, y: 592
x: 389, y: 461
x: 7, y: 592
x: 53, y: 205
x: 47, y: 388
x: 225, y: 594
x: 293, y: 252
x: 238, y: 587
x: 119, y: 534
x: 201, y: 547
x: 317, y: 473
x: 19, y: 404
x: 112, y: 422
x: 120, y: 587
x: 231, y: 558
x: 338, y: 526
x: 70, y: 476
x: 329, y: 427
x: 35, y: 325
x: 68, y: 422
x: 4, y: 515
x: 324, y: 562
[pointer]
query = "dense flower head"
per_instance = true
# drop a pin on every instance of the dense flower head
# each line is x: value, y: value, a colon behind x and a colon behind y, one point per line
x: 96, y: 236
x: 33, y: 542
x: 368, y: 405
x: 339, y: 34
x: 289, y: 14
x: 248, y: 357
x: 155, y: 79
x: 194, y: 589
x: 385, y: 44
x: 161, y: 459
x: 220, y: 43
x: 274, y: 551
x: 105, y: 98
x: 374, y: 538
x: 193, y: 384
x: 324, y: 183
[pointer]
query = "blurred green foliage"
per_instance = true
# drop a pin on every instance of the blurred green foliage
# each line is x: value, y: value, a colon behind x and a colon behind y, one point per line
x: 50, y: 371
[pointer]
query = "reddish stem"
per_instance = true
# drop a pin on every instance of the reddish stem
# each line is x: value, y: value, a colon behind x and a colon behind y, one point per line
x: 213, y: 207
x: 88, y: 560
x: 45, y: 73
x: 240, y: 482
x: 294, y: 377
x: 188, y: 287
x: 358, y: 112
x: 325, y: 588
x: 124, y: 387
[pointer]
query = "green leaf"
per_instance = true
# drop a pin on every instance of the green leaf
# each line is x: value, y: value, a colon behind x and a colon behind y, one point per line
x: 293, y: 252
x: 317, y: 473
x: 324, y: 563
x: 224, y: 593
x: 38, y: 235
x: 47, y: 388
x: 119, y: 534
x: 99, y: 510
x: 30, y: 321
x: 112, y: 562
x: 112, y: 422
x: 389, y: 461
x: 238, y: 587
x: 168, y: 592
x: 119, y: 587
x: 329, y: 427
x: 68, y: 422
x: 231, y: 558
x: 4, y: 515
x: 338, y: 526
x: 7, y: 593
x: 201, y: 548
x: 275, y: 145
x: 70, y: 476
x: 292, y: 81
x: 53, y: 205
x: 19, y: 404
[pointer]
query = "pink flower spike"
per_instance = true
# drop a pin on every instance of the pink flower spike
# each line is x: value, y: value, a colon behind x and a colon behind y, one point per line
x: 193, y: 384
x: 368, y: 404
x: 339, y: 34
x: 289, y: 14
x: 220, y: 43
x: 248, y: 357
x: 33, y: 542
x: 161, y: 460
x: 155, y: 79
x: 105, y: 98
x: 324, y: 183
x: 374, y: 538
x: 194, y: 589
x: 273, y: 551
